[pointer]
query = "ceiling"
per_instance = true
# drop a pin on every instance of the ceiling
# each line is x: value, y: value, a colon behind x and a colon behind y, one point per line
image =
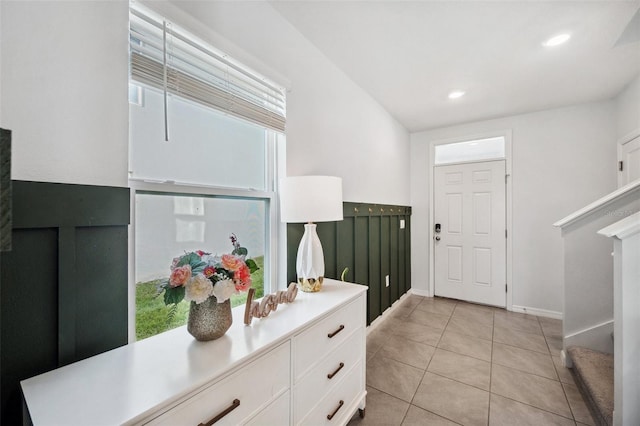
x: 409, y: 55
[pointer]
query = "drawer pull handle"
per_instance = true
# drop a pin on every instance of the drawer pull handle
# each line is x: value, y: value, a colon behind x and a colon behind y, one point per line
x: 340, y: 404
x: 330, y: 375
x: 330, y: 335
x: 235, y: 404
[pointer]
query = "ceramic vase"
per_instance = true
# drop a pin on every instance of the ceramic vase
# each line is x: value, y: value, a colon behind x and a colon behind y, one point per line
x: 209, y: 320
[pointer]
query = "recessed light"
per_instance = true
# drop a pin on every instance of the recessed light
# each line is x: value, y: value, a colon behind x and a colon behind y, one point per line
x: 557, y: 40
x: 456, y: 94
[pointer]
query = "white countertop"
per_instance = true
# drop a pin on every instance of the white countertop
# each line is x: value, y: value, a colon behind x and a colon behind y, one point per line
x: 127, y: 384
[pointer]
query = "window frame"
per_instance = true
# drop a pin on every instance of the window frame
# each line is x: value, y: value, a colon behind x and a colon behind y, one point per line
x: 479, y: 140
x: 275, y: 238
x: 275, y: 167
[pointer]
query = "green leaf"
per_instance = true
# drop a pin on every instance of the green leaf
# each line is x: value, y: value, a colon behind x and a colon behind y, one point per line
x: 192, y: 259
x: 198, y: 267
x: 344, y: 274
x: 184, y: 260
x: 240, y: 251
x: 171, y: 314
x: 173, y: 295
x: 252, y: 265
x: 189, y: 259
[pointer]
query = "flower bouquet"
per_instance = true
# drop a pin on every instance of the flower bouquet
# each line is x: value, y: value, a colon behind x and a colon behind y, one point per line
x: 201, y: 277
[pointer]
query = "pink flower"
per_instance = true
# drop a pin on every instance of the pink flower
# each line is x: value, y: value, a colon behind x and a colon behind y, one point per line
x: 209, y: 271
x: 242, y: 278
x: 231, y: 262
x: 200, y: 253
x: 180, y: 275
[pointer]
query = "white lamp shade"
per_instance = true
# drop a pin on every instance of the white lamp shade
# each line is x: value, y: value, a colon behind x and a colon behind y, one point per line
x: 310, y: 199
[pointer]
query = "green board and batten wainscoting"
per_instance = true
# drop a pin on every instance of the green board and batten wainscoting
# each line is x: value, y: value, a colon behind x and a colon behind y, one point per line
x: 63, y: 283
x: 371, y: 243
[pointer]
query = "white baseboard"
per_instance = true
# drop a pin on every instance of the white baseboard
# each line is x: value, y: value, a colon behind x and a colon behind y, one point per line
x: 566, y: 361
x: 597, y: 337
x: 418, y: 292
x: 537, y: 312
x: 376, y: 322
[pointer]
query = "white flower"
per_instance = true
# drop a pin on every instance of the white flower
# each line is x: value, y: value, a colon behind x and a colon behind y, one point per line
x: 209, y: 259
x: 198, y: 289
x: 223, y: 290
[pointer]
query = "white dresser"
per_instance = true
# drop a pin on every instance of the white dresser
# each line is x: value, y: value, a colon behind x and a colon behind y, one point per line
x: 303, y: 364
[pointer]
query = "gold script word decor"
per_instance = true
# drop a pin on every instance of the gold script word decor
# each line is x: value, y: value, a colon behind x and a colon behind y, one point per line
x: 268, y: 304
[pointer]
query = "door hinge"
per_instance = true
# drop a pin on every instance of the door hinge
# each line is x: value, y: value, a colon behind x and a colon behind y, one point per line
x: 505, y: 234
x: 620, y: 166
x: 505, y: 287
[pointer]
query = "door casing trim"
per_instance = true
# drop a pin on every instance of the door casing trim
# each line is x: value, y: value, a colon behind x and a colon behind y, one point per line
x: 507, y: 134
x: 621, y: 142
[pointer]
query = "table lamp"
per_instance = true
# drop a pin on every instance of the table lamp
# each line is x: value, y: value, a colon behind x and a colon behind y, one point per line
x: 308, y: 199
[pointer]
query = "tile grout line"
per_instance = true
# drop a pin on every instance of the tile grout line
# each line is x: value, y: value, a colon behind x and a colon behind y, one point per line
x: 557, y: 376
x: 493, y: 333
x: 524, y: 349
x: 533, y: 406
x: 425, y: 373
x: 564, y: 391
x: 529, y: 373
x: 450, y: 317
x: 528, y: 404
x: 458, y: 381
x: 469, y: 356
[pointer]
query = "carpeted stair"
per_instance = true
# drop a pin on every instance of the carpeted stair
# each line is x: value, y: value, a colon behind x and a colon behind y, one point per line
x: 593, y: 372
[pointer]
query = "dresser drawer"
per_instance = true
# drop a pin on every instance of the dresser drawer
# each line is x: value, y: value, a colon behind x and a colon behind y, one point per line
x: 277, y: 413
x: 316, y: 383
x: 325, y: 336
x: 339, y: 402
x: 254, y: 386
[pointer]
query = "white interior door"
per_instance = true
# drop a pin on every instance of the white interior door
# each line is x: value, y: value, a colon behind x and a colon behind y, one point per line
x: 630, y: 158
x: 470, y: 249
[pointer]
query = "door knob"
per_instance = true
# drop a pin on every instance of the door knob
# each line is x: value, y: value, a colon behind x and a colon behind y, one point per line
x: 437, y: 238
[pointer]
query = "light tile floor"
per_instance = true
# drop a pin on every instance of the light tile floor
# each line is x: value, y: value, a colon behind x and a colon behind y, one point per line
x: 436, y: 361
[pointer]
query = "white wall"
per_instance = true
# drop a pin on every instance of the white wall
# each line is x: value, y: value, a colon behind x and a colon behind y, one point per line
x: 64, y: 94
x: 64, y: 90
x: 627, y: 107
x: 562, y: 160
x: 333, y: 126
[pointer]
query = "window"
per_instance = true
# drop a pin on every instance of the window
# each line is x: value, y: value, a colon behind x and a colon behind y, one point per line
x: 204, y: 145
x: 472, y: 150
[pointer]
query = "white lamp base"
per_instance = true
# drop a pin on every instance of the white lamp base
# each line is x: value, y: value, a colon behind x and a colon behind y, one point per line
x: 310, y: 260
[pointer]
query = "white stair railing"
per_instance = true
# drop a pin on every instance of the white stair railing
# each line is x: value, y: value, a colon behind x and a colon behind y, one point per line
x: 626, y: 304
x: 588, y: 317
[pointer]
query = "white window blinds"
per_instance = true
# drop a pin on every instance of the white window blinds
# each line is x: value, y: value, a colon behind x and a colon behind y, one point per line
x: 167, y: 58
